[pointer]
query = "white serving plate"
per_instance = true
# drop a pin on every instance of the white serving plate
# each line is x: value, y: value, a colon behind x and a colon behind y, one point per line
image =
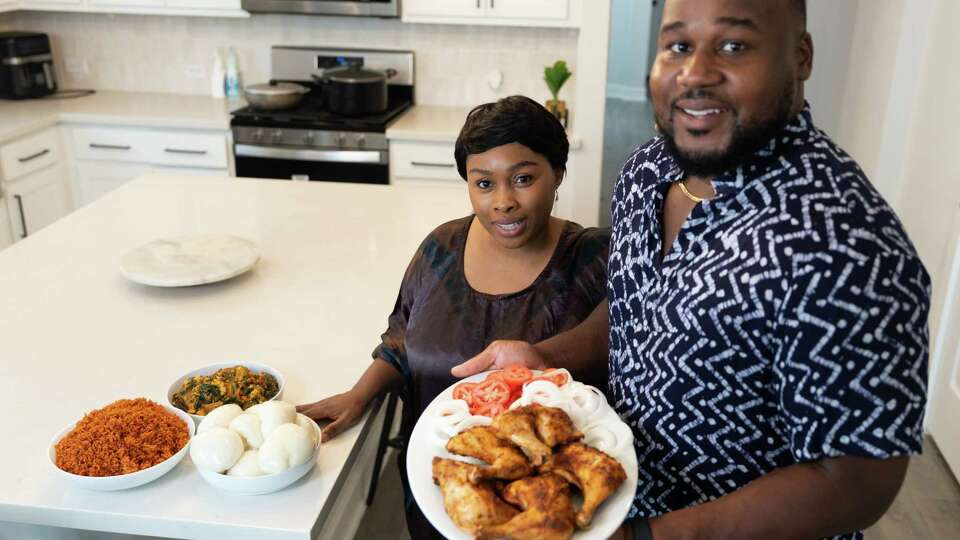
x: 213, y: 368
x: 268, y: 483
x: 123, y: 481
x: 606, y: 521
x: 190, y: 260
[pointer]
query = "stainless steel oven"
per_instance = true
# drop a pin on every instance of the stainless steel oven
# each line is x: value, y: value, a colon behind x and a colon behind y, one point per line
x: 310, y: 142
x: 311, y: 155
x: 359, y: 8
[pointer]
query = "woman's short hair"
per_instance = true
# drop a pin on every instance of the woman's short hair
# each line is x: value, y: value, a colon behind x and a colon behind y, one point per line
x: 514, y: 119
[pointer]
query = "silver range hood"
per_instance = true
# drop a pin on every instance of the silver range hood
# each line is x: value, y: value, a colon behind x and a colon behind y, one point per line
x: 356, y: 8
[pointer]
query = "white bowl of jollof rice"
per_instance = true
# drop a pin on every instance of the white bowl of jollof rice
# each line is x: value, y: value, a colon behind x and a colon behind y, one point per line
x: 126, y: 444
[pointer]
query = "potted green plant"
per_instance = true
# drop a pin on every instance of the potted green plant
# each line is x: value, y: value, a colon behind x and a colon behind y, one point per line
x: 555, y: 76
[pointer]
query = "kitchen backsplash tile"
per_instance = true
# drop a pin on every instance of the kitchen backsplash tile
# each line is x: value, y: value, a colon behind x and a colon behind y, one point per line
x: 175, y: 54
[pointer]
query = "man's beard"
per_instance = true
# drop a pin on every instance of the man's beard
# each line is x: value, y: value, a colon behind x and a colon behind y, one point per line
x: 745, y: 141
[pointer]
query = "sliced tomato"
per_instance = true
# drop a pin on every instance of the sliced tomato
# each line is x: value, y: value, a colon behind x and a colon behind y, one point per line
x: 555, y: 376
x: 490, y: 409
x: 515, y: 375
x: 491, y: 391
x: 464, y: 391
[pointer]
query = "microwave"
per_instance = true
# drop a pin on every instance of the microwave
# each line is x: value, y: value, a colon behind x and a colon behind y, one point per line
x: 356, y: 8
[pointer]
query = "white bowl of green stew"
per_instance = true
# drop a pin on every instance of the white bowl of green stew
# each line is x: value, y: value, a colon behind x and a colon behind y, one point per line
x: 198, y: 392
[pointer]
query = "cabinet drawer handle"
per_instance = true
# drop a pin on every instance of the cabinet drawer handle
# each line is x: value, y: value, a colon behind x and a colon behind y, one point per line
x: 23, y: 218
x: 182, y: 151
x: 427, y: 164
x: 109, y: 146
x: 32, y: 157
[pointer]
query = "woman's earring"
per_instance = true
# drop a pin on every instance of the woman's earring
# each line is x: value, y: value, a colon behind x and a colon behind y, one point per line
x: 556, y: 195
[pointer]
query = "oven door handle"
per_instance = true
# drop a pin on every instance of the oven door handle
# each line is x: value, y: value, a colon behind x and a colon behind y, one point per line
x: 330, y: 156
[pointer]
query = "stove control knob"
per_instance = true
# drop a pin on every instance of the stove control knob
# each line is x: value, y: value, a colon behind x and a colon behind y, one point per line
x: 308, y: 138
x: 277, y: 136
x: 341, y: 140
x: 257, y: 135
x: 361, y: 141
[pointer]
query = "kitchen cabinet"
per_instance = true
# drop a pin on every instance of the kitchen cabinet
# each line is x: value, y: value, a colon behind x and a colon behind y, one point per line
x: 37, y: 200
x: 6, y: 235
x: 50, y: 3
x: 201, y: 8
x: 94, y: 179
x: 423, y: 161
x: 108, y: 157
x: 530, y: 9
x: 494, y: 12
x: 35, y: 188
x: 444, y: 8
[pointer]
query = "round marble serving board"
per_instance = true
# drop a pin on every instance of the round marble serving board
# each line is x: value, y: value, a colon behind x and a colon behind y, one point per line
x: 190, y: 260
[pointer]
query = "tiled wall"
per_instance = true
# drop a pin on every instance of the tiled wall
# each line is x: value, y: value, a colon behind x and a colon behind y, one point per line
x: 175, y: 54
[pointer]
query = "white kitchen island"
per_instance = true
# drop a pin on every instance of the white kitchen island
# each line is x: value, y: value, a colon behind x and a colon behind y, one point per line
x: 75, y: 336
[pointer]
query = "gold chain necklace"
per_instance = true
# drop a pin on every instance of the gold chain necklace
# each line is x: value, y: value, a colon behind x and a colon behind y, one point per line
x: 691, y: 196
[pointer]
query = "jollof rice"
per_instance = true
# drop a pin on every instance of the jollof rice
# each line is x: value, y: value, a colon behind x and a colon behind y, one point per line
x: 124, y: 437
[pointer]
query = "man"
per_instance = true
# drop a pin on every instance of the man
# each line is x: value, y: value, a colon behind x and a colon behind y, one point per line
x: 767, y: 313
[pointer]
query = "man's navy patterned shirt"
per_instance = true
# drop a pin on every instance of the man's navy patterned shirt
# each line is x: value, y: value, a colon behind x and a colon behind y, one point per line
x: 788, y: 322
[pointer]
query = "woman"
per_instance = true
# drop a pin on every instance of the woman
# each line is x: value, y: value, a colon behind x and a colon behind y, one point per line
x: 510, y: 271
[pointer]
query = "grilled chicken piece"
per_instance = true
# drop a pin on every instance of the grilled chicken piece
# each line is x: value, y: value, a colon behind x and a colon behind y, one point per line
x: 519, y: 427
x: 535, y: 429
x: 470, y: 505
x: 596, y: 474
x: 506, y: 460
x: 548, y: 512
x: 554, y: 427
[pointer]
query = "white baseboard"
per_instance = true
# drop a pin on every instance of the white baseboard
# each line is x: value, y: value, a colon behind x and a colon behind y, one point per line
x: 626, y: 92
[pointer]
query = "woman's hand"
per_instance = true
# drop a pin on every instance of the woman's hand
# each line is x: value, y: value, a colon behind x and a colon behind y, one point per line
x: 344, y: 409
x: 500, y: 354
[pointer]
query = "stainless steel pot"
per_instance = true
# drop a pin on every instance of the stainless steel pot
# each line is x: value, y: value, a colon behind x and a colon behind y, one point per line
x: 274, y: 96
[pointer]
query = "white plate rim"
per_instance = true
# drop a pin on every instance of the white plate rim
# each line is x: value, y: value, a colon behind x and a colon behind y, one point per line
x: 427, y: 495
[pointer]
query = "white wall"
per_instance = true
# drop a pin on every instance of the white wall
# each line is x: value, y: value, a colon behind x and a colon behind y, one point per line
x: 930, y: 186
x: 629, y: 48
x: 832, y: 24
x: 900, y: 109
x: 174, y: 54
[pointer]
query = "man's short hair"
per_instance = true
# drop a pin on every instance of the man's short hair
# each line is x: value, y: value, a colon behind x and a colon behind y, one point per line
x: 800, y: 6
x: 514, y: 119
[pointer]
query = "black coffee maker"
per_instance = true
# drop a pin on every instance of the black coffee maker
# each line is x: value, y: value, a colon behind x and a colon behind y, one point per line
x: 26, y: 66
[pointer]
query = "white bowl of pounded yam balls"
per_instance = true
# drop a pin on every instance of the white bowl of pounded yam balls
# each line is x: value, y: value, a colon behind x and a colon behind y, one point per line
x: 261, y: 450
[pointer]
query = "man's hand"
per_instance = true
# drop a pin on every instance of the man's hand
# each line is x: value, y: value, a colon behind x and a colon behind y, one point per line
x: 344, y: 409
x: 500, y: 354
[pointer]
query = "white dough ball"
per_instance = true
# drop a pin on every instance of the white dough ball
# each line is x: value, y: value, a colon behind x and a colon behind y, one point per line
x: 219, y: 417
x: 273, y: 414
x: 287, y: 446
x: 248, y: 465
x: 308, y: 424
x: 216, y: 449
x: 248, y: 427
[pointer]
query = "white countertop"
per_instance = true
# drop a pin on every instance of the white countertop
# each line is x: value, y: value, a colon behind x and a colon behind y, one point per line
x: 434, y: 123
x: 21, y: 117
x: 429, y: 123
x: 77, y: 336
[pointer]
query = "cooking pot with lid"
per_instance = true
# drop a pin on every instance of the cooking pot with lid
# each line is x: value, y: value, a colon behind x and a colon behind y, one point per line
x: 355, y: 91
